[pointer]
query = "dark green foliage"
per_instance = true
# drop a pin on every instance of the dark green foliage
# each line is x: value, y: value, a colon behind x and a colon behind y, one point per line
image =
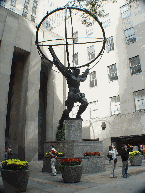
x: 60, y: 135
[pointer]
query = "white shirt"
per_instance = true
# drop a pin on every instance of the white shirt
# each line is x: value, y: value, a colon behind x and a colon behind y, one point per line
x: 113, y: 153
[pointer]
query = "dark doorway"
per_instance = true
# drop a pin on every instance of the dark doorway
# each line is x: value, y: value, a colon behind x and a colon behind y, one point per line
x: 17, y: 96
x: 133, y: 140
x: 42, y: 110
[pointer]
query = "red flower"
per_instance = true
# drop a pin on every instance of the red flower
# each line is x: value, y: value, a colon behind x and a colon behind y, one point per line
x: 70, y: 161
x: 91, y: 153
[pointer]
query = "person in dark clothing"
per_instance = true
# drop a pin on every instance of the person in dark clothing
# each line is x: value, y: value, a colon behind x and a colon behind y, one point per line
x: 139, y: 148
x: 124, y: 157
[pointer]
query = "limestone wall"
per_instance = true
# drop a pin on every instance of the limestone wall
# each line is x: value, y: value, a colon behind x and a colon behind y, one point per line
x: 17, y: 37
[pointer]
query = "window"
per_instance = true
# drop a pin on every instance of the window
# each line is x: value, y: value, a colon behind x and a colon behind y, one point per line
x: 47, y: 23
x: 91, y: 52
x: 75, y: 36
x: 35, y: 3
x: 34, y: 8
x: 106, y: 21
x: 13, y: 3
x: 3, y: 3
x: 125, y: 11
x: 34, y: 11
x: 89, y: 28
x: 109, y: 44
x: 115, y: 105
x: 25, y: 9
x: 75, y: 58
x: 32, y: 18
x: 89, y: 31
x: 93, y: 80
x: 130, y: 35
x: 135, y: 66
x: 93, y: 109
x: 139, y: 99
x: 112, y: 72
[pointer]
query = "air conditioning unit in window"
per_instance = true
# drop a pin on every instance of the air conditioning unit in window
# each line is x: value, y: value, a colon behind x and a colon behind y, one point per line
x: 103, y: 126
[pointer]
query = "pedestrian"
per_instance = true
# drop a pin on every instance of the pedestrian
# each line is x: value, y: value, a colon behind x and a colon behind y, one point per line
x: 142, y: 149
x: 53, y: 159
x: 109, y: 155
x: 10, y: 153
x: 113, y: 161
x: 139, y: 148
x: 124, y: 157
x: 6, y: 153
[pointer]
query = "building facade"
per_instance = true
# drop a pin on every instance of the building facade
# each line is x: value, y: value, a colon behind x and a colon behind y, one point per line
x: 32, y: 93
x: 115, y: 88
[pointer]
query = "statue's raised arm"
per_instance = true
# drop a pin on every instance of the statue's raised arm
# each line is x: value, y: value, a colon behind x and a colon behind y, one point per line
x: 83, y: 77
x: 58, y: 64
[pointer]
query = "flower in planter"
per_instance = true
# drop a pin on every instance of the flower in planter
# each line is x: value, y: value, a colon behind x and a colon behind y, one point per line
x: 86, y: 154
x: 14, y: 164
x: 91, y: 153
x: 60, y: 154
x: 71, y: 169
x: 133, y: 154
x: 70, y: 161
x: 97, y: 153
x: 48, y: 153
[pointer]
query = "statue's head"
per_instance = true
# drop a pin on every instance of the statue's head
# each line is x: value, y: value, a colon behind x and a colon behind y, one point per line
x: 76, y: 72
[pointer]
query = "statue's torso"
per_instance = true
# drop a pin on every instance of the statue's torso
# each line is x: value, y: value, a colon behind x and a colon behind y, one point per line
x: 74, y: 83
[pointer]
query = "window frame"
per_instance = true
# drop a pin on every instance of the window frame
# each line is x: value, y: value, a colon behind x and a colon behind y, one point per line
x: 106, y: 21
x: 94, y: 109
x: 126, y: 13
x: 138, y: 100
x: 13, y: 3
x: 115, y: 72
x: 109, y: 46
x: 75, y: 34
x: 131, y: 66
x: 130, y: 37
x: 118, y: 105
x: 91, y: 55
x: 75, y: 60
x: 93, y: 80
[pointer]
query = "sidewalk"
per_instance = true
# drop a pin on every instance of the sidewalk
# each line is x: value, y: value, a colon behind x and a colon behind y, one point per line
x: 43, y: 182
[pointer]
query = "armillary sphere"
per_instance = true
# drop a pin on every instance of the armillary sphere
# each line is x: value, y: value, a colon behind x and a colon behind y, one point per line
x: 79, y: 31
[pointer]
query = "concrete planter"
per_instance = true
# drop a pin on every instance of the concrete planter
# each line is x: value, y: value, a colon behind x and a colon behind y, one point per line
x: 137, y: 160
x: 72, y: 174
x: 90, y: 164
x: 15, y: 181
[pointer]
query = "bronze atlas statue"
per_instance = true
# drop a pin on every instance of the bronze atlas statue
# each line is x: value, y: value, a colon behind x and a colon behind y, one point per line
x: 71, y: 73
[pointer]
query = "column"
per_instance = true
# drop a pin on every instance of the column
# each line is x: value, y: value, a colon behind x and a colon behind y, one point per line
x: 6, y: 54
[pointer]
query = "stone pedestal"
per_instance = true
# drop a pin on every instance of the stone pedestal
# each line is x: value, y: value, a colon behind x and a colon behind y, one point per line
x: 73, y: 129
x: 75, y: 147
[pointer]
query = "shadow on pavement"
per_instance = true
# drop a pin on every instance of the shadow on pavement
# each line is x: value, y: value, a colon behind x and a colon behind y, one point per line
x: 2, y: 189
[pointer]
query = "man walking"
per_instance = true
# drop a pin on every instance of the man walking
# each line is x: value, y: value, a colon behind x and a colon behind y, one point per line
x: 124, y: 157
x: 53, y: 160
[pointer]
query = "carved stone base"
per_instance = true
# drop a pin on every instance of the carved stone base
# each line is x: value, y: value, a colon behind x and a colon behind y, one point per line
x: 90, y: 164
x: 73, y: 129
